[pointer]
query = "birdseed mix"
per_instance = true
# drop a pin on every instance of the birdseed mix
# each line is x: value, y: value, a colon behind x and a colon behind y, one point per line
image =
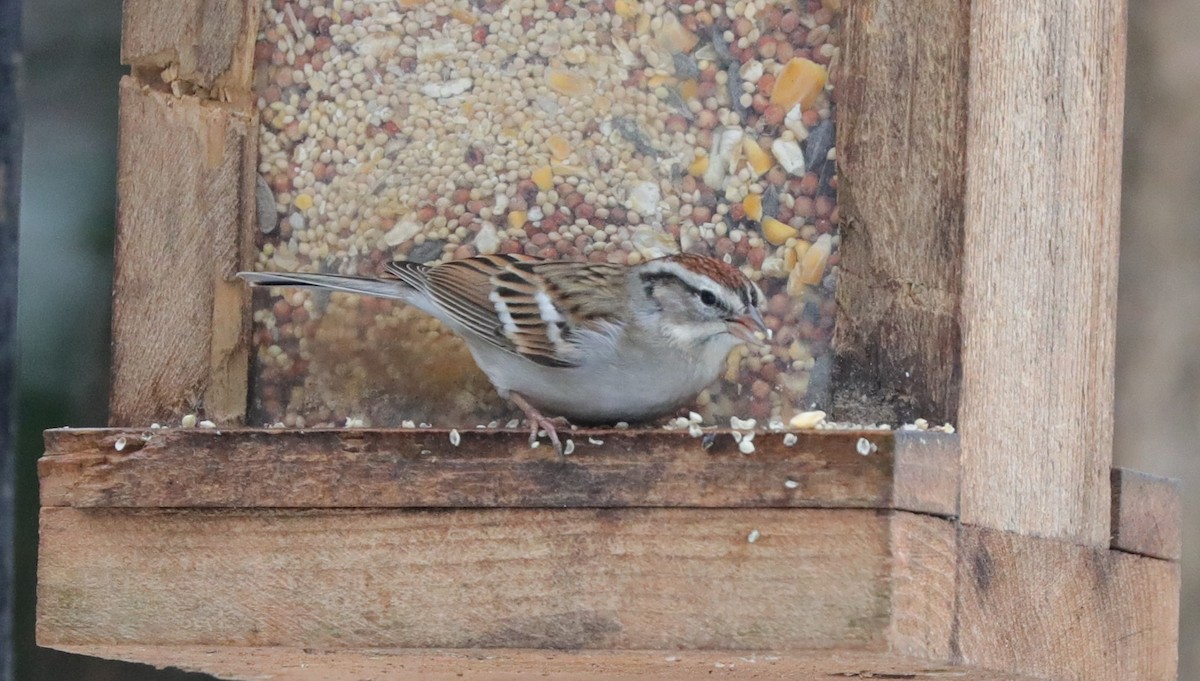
x: 603, y: 131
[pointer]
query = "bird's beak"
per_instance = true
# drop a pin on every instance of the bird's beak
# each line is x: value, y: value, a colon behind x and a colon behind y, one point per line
x: 749, y: 326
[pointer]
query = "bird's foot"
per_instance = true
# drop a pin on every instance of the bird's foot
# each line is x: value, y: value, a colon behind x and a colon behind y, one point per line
x: 538, y: 422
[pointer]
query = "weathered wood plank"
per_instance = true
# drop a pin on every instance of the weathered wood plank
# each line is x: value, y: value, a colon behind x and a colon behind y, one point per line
x: 290, y: 664
x: 181, y: 322
x: 1062, y: 611
x: 902, y: 129
x: 653, y: 579
x: 209, y: 42
x: 410, y: 468
x: 1147, y: 514
x: 923, y: 553
x: 1040, y: 266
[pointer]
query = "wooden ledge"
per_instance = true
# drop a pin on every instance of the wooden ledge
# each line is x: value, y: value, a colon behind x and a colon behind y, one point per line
x: 277, y: 664
x: 346, y: 554
x: 275, y: 468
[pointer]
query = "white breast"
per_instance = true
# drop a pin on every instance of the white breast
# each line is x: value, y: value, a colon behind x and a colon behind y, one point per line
x: 613, y: 384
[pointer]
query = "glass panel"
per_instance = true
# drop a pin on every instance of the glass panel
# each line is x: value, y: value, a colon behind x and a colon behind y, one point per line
x: 614, y: 131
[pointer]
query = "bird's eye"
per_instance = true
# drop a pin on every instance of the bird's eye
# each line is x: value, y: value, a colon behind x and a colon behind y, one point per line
x: 708, y: 298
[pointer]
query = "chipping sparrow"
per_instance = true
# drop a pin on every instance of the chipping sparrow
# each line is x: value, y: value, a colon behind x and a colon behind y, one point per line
x: 595, y: 343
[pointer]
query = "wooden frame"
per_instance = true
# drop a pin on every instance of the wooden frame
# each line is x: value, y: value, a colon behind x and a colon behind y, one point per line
x: 978, y: 180
x: 813, y: 559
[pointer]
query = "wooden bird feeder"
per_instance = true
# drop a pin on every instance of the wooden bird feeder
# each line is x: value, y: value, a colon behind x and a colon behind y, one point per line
x: 979, y: 156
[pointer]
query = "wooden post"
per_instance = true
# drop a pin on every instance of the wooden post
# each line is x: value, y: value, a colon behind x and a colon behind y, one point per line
x: 902, y: 118
x: 980, y: 181
x: 181, y: 320
x: 10, y: 164
x: 1040, y: 266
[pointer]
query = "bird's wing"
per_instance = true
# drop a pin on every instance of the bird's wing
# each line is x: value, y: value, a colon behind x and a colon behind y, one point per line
x: 534, y: 308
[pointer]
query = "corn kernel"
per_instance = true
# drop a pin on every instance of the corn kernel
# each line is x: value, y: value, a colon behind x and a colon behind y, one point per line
x: 304, y: 201
x: 759, y: 159
x: 569, y: 83
x: 463, y: 15
x: 560, y: 148
x: 543, y: 177
x: 688, y: 89
x: 627, y: 8
x: 698, y: 166
x: 674, y: 37
x: 799, y: 83
x: 753, y: 206
x: 516, y: 219
x: 778, y: 232
x: 811, y: 267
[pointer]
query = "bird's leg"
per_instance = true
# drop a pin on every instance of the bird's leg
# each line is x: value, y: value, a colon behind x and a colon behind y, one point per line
x: 537, y: 421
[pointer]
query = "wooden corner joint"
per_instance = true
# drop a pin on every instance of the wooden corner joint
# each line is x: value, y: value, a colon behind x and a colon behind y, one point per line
x: 1057, y: 610
x: 1146, y: 515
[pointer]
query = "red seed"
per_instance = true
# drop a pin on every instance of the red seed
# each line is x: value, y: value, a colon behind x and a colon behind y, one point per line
x: 789, y: 22
x: 824, y: 206
x: 809, y: 184
x: 766, y: 47
x: 724, y: 246
x: 784, y: 52
x: 804, y: 207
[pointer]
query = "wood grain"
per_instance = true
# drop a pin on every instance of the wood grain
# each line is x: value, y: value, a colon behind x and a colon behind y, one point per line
x: 653, y: 579
x: 1062, y: 611
x: 291, y: 664
x: 210, y: 42
x: 181, y: 322
x: 902, y: 94
x: 1147, y: 514
x: 923, y: 554
x: 409, y: 468
x: 1040, y: 266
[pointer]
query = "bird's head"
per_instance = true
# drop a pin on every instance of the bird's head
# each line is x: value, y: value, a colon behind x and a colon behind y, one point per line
x: 697, y: 299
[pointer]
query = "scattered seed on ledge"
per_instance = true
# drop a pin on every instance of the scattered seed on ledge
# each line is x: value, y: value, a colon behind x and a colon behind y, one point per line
x: 188, y: 421
x: 119, y: 445
x: 807, y: 420
x: 455, y: 438
x: 753, y: 536
x: 746, y: 446
x: 865, y: 446
x: 791, y: 484
x: 789, y: 440
x: 740, y: 424
x: 569, y: 448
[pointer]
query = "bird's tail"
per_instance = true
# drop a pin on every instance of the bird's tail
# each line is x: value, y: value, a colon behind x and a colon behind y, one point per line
x: 380, y: 288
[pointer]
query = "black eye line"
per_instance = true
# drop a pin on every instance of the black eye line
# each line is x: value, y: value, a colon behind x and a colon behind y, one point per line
x: 651, y: 278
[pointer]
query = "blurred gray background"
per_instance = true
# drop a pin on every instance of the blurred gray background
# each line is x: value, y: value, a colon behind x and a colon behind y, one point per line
x: 68, y: 211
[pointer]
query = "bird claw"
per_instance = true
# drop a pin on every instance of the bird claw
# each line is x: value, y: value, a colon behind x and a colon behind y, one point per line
x: 539, y: 422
